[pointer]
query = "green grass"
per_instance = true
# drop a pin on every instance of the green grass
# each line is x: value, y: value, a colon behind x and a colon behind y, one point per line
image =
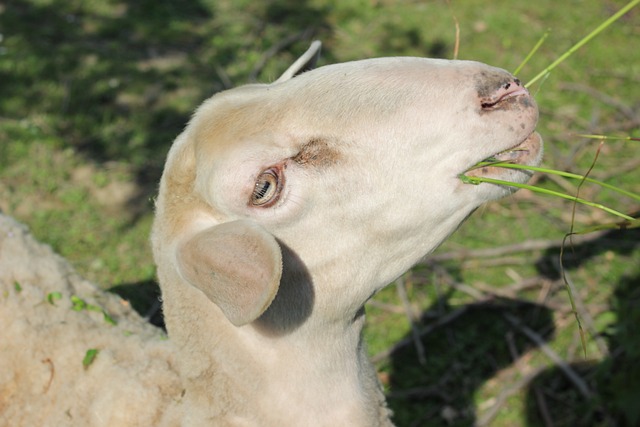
x: 93, y: 93
x: 474, y: 180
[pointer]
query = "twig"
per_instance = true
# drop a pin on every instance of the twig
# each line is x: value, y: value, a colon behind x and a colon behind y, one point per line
x: 544, y: 291
x: 391, y: 308
x: 415, y: 335
x: 505, y: 292
x: 602, y: 97
x: 542, y: 405
x: 223, y: 76
x: 494, y: 262
x: 451, y: 282
x: 482, y: 293
x: 630, y: 166
x: 488, y: 416
x: 555, y: 358
x: 526, y: 246
x: 450, y: 317
x: 584, y: 314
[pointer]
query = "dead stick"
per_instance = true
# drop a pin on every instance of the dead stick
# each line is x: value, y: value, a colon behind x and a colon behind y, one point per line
x: 415, y: 334
x: 406, y: 341
x: 555, y: 358
x: 527, y: 246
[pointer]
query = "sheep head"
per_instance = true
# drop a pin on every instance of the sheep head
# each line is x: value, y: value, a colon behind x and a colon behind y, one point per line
x: 351, y: 169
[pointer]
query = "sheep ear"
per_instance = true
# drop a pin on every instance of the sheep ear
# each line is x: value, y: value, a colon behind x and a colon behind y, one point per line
x: 238, y: 266
x: 305, y: 63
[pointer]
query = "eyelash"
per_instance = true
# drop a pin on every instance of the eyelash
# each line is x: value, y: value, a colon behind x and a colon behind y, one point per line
x: 267, y: 188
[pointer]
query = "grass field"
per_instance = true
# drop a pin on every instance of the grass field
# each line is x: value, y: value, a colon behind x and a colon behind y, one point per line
x: 92, y: 94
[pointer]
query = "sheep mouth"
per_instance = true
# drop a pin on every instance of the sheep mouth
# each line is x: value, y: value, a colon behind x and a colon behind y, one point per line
x: 528, y: 152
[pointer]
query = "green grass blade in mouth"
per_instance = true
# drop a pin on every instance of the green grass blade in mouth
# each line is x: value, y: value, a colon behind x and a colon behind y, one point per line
x: 479, y: 180
x: 570, y: 175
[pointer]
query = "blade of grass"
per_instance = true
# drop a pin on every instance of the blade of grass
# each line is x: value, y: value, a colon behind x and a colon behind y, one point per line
x: 584, y: 41
x: 605, y: 137
x: 570, y: 175
x: 569, y: 288
x: 584, y: 179
x: 89, y: 357
x: 533, y: 51
x: 568, y: 284
x: 478, y: 180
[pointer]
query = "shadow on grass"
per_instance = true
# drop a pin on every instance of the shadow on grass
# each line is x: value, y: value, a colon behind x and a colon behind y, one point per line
x: 460, y: 358
x: 145, y: 298
x: 614, y: 382
x: 463, y: 355
x: 118, y: 81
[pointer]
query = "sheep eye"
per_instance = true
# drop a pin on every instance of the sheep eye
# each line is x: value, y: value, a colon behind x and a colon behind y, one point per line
x: 266, y: 189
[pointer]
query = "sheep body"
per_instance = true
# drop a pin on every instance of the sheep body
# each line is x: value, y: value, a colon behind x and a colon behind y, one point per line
x: 43, y: 381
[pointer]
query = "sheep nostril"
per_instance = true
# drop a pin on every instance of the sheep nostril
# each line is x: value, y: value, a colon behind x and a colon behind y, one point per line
x: 506, y: 91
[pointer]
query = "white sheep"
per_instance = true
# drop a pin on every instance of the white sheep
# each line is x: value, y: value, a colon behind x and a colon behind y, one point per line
x: 282, y: 209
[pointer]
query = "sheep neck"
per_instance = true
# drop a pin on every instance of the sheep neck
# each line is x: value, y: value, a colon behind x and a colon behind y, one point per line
x: 318, y: 373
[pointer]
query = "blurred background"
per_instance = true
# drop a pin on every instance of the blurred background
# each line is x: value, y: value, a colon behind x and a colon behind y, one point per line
x: 92, y: 93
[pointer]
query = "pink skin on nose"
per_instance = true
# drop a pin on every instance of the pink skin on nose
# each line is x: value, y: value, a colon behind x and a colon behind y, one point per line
x: 506, y: 91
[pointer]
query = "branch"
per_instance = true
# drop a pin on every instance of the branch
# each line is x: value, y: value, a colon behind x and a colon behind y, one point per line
x: 527, y: 246
x: 555, y: 358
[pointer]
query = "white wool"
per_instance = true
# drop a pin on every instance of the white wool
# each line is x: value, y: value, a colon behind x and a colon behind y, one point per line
x: 42, y: 346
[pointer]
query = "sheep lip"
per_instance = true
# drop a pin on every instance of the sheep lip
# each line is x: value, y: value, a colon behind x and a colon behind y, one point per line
x: 527, y: 152
x: 514, y: 153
